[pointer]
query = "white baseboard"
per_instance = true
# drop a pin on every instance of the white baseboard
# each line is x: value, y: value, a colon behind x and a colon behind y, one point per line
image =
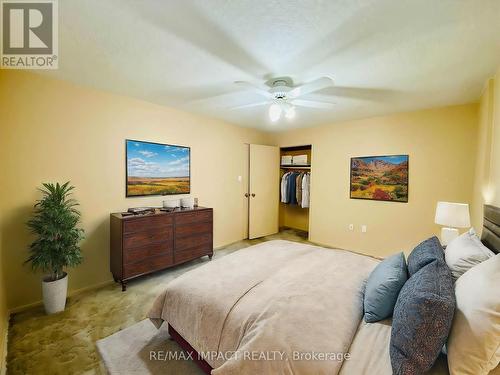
x: 72, y: 293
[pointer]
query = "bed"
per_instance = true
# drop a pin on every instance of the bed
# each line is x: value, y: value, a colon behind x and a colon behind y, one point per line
x: 284, y: 307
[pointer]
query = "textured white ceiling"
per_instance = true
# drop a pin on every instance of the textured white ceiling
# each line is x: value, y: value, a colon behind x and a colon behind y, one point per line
x: 385, y: 56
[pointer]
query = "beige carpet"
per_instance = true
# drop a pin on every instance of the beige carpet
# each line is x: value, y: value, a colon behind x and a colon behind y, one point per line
x: 142, y: 349
x: 65, y: 343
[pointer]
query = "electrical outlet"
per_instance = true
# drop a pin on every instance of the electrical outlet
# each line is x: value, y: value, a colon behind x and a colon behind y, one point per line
x: 363, y: 228
x: 351, y: 227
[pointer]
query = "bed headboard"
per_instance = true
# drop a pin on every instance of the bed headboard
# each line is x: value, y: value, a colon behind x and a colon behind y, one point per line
x: 491, y: 228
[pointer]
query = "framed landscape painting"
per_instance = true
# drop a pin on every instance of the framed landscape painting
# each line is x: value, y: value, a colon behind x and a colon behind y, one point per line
x: 381, y: 178
x: 157, y: 169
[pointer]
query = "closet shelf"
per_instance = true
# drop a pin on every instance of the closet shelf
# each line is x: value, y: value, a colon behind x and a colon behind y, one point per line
x: 295, y: 166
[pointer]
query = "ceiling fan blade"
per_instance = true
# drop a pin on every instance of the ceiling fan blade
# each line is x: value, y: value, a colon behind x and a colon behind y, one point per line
x: 312, y: 104
x: 258, y: 90
x: 312, y: 86
x: 249, y: 105
x: 359, y: 93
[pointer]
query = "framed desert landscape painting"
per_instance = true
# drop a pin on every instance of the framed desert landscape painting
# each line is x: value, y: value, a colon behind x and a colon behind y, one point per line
x: 381, y: 178
x: 157, y: 169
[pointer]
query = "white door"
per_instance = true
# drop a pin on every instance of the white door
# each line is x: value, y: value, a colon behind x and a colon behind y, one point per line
x: 264, y: 179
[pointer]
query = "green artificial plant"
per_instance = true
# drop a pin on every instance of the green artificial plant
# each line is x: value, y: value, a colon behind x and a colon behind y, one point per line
x: 54, y: 222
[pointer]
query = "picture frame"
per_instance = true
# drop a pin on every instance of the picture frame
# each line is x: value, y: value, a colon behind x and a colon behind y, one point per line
x: 156, y: 169
x: 380, y: 178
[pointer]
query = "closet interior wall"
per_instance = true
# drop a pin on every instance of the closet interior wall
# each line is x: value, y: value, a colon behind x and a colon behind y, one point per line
x: 290, y: 215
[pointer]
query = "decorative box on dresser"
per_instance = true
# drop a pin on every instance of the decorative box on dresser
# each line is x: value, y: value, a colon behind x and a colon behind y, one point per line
x: 142, y: 244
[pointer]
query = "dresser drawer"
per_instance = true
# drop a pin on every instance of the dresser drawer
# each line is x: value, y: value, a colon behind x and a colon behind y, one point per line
x: 135, y: 254
x: 147, y: 237
x: 193, y: 217
x: 184, y: 230
x: 145, y: 223
x: 193, y: 241
x: 147, y: 265
x: 192, y: 253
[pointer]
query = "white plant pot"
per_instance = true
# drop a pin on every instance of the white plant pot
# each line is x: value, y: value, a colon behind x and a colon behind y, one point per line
x: 54, y: 294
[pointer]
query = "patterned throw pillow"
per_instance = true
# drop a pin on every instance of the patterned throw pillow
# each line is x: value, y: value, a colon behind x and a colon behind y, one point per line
x: 423, y: 313
x: 425, y: 252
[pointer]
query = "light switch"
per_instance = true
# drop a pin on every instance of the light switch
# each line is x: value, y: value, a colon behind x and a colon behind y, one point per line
x: 363, y: 228
x: 240, y: 178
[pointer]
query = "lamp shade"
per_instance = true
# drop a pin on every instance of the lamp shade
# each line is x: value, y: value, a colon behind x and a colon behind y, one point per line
x: 454, y: 215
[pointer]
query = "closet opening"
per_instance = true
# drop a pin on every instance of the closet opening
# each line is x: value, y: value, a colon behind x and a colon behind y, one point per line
x: 295, y: 173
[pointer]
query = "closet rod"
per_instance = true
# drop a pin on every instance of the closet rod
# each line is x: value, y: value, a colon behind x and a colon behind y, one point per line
x: 295, y: 166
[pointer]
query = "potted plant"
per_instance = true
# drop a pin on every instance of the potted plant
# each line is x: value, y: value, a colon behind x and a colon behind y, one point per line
x: 54, y: 222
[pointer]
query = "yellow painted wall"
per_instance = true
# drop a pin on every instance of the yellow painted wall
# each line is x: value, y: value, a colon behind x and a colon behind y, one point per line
x: 4, y: 316
x: 487, y: 178
x: 482, y: 188
x: 494, y: 197
x: 294, y: 217
x: 55, y: 131
x: 441, y: 144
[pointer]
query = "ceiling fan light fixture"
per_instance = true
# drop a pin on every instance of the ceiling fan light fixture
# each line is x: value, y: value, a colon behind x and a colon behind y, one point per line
x: 283, y: 96
x: 275, y: 112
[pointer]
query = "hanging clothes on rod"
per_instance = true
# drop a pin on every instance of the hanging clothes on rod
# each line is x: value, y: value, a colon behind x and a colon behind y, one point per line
x: 287, y: 186
x: 306, y: 181
x: 295, y: 188
x: 284, y: 187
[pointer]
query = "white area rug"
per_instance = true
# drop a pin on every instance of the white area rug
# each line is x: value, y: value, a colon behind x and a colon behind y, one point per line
x: 142, y: 349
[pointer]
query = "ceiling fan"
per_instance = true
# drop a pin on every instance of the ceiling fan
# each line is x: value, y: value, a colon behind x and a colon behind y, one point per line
x: 283, y: 96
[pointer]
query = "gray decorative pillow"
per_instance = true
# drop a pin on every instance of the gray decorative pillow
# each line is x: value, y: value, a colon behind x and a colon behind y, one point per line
x: 383, y: 286
x: 425, y: 252
x: 422, y: 319
x: 464, y: 252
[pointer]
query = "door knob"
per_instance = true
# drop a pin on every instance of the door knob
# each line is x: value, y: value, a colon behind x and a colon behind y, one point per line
x: 247, y: 195
x: 253, y: 194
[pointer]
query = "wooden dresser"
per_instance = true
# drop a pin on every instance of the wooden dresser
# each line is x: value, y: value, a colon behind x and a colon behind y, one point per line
x: 143, y: 244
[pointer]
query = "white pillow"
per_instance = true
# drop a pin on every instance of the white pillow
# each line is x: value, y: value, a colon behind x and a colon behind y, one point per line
x: 464, y: 252
x: 474, y: 341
